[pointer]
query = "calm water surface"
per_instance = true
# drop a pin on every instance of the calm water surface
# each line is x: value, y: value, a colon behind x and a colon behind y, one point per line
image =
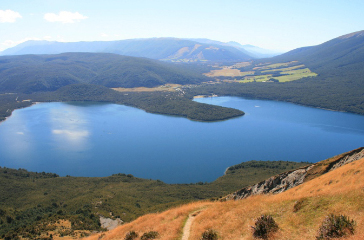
x: 84, y: 139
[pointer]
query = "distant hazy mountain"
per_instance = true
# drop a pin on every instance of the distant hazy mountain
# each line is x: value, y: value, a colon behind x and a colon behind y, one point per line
x: 170, y: 49
x: 32, y: 73
x: 253, y: 51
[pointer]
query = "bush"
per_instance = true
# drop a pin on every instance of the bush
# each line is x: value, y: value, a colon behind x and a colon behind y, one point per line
x: 209, y: 235
x: 336, y: 226
x: 131, y: 235
x: 299, y: 204
x: 265, y: 226
x: 149, y: 235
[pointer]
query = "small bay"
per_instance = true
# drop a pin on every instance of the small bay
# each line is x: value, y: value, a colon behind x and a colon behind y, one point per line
x: 100, y: 139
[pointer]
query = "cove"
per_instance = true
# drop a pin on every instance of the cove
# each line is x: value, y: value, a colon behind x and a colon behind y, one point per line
x: 100, y: 139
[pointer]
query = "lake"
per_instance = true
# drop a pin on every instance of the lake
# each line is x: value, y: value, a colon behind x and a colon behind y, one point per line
x: 99, y: 139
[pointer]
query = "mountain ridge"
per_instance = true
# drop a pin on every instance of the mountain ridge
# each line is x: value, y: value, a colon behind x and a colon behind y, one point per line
x: 155, y: 48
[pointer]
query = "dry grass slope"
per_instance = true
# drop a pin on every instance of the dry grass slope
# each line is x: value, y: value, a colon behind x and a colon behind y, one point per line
x: 299, y: 211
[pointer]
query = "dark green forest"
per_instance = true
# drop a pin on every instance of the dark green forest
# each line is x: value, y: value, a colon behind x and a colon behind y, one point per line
x: 171, y: 103
x: 35, y: 73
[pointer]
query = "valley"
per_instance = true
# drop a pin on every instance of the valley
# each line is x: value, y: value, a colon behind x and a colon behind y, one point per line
x: 162, y: 76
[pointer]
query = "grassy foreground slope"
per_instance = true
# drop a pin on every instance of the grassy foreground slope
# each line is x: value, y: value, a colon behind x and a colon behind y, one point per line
x: 32, y: 203
x: 298, y: 212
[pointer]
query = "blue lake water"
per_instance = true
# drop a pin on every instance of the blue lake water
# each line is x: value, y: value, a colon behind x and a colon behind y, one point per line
x: 94, y: 139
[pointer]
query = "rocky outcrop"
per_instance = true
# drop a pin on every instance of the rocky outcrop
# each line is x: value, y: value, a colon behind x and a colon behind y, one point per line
x: 109, y: 223
x: 287, y: 180
x: 353, y: 156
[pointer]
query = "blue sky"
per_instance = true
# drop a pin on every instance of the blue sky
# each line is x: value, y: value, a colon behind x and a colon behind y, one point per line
x: 276, y: 25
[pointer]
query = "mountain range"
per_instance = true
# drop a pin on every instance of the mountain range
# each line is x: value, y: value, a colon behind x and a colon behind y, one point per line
x: 167, y: 49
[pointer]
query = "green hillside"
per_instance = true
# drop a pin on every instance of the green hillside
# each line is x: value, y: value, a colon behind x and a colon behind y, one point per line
x: 339, y: 84
x: 33, y: 73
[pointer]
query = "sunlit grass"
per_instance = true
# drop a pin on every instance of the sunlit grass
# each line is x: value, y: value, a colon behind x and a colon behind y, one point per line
x: 284, y: 69
x: 340, y: 191
x: 228, y: 72
x: 296, y: 74
x: 268, y: 72
x: 275, y: 65
x: 168, y: 224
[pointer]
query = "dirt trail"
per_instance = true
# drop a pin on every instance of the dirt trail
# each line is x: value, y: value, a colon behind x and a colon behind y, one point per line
x: 187, y: 227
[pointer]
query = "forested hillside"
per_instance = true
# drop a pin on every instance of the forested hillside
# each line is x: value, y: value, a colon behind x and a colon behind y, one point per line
x: 339, y: 85
x: 33, y: 73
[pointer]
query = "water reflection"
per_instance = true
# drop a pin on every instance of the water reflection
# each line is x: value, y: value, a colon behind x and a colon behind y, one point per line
x: 17, y: 138
x: 69, y: 128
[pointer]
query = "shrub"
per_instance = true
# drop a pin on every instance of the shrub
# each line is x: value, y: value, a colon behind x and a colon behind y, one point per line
x: 336, y: 226
x: 299, y: 204
x: 265, y: 226
x: 131, y: 235
x: 149, y: 235
x: 209, y: 234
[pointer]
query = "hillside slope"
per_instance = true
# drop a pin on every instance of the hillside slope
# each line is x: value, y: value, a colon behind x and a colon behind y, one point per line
x: 32, y: 73
x: 338, y: 86
x: 299, y: 211
x: 294, y: 178
x: 338, y: 52
x: 170, y: 49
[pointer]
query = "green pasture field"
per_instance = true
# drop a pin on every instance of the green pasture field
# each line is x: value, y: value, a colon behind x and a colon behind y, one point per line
x: 284, y: 69
x: 296, y: 74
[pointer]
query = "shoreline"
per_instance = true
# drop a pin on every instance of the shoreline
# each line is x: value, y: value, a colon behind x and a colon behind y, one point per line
x: 6, y: 118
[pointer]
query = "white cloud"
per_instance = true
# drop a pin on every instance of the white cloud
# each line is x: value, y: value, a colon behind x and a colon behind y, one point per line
x: 64, y: 17
x: 104, y: 35
x: 9, y: 16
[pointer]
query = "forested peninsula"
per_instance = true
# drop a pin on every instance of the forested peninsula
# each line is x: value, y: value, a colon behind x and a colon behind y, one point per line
x: 90, y: 76
x: 170, y: 103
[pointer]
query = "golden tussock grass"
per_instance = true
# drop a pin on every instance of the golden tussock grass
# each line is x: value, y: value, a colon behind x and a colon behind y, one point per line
x: 299, y: 211
x: 168, y: 224
x: 340, y: 192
